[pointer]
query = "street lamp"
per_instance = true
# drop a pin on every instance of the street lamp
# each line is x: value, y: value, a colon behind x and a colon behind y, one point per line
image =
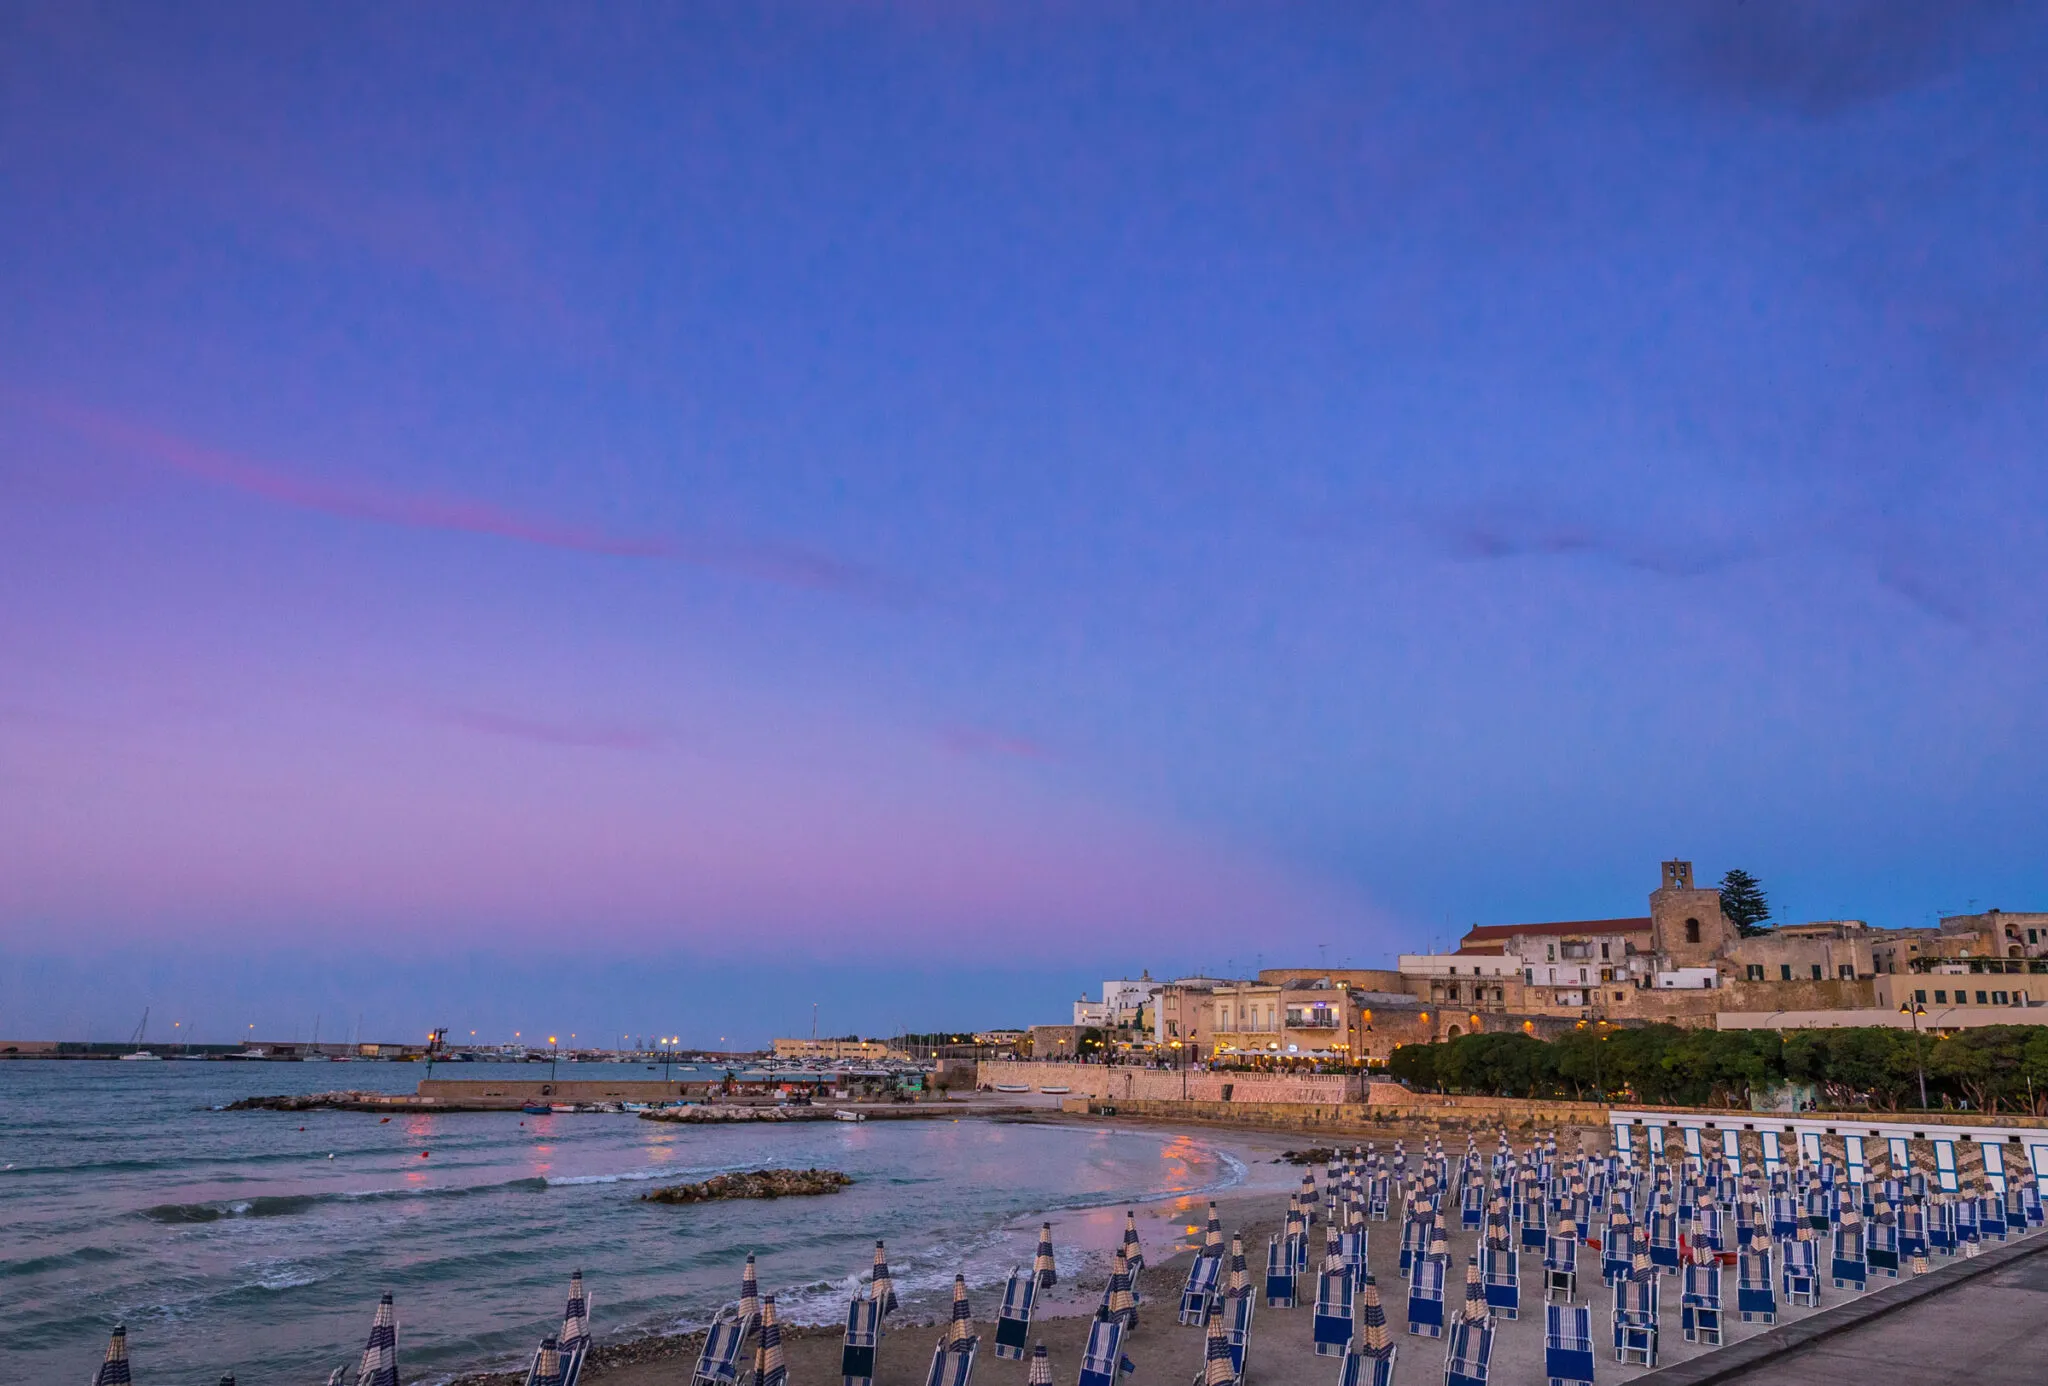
x: 1916, y: 1010
x: 553, y: 1054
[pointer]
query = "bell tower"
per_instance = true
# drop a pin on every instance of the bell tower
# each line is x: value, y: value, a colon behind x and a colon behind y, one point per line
x: 1687, y: 927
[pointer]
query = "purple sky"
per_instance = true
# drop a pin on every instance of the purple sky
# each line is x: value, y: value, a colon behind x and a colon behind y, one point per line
x: 644, y: 519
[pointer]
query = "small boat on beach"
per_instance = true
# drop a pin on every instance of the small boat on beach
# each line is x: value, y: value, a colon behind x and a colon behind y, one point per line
x: 1013, y: 1087
x: 843, y: 1115
x: 1061, y: 1089
x: 537, y: 1109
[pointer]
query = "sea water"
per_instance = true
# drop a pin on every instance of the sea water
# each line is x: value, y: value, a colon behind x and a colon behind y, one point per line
x: 258, y: 1241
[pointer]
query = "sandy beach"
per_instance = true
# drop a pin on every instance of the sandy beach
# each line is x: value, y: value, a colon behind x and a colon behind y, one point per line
x: 1282, y: 1353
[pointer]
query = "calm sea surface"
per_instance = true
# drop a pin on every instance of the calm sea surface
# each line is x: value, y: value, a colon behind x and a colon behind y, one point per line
x: 259, y: 1241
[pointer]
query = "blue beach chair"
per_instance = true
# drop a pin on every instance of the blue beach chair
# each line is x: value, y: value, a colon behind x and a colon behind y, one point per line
x: 1279, y: 1275
x: 1850, y: 1262
x: 1568, y: 1344
x: 718, y: 1360
x: 1699, y: 1304
x: 1501, y: 1272
x: 1333, y: 1319
x: 1561, y: 1264
x: 1801, y: 1276
x: 1756, y: 1296
x: 1469, y: 1354
x: 863, y: 1337
x: 1013, y: 1320
x: 1635, y: 1320
x: 1199, y: 1293
x: 1426, y: 1298
x: 1103, y: 1360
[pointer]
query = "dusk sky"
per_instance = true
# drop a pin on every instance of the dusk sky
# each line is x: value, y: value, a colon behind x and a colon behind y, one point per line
x: 641, y: 519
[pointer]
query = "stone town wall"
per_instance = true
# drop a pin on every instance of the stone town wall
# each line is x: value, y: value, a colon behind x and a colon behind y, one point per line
x: 1123, y: 1083
x: 1362, y: 1119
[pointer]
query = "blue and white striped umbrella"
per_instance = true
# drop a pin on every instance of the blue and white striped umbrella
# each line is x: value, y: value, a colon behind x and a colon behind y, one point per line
x: 1240, y: 1277
x: 547, y: 1367
x: 1133, y: 1253
x: 1122, y: 1303
x: 380, y: 1354
x: 882, y: 1289
x: 1216, y: 1365
x: 750, y: 1291
x: 1048, y: 1276
x: 1374, y: 1339
x: 1212, y: 1236
x: 961, y: 1327
x: 769, y: 1368
x: 114, y: 1366
x: 576, y: 1316
x: 1040, y: 1373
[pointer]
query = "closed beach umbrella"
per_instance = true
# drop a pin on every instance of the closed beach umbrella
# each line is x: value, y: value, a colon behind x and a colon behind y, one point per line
x: 883, y: 1289
x: 1216, y: 1368
x: 1919, y: 1263
x: 1475, y: 1291
x: 114, y: 1366
x: 769, y: 1368
x: 547, y: 1366
x: 1333, y: 1251
x: 750, y: 1291
x: 961, y: 1328
x: 1374, y: 1339
x: 1240, y: 1278
x: 1122, y: 1302
x: 380, y: 1354
x: 575, y: 1316
x: 1040, y: 1373
x: 1043, y: 1267
x: 1567, y: 1228
x: 1133, y: 1253
x: 1439, y: 1249
x: 1212, y: 1236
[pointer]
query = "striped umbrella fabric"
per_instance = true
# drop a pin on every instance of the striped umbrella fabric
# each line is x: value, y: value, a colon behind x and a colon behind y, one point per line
x: 1121, y: 1301
x: 114, y: 1366
x: 882, y: 1289
x: 1133, y: 1252
x: 769, y: 1368
x: 547, y: 1367
x: 1040, y: 1372
x: 1212, y: 1236
x: 750, y: 1291
x: 1373, y: 1338
x: 575, y: 1316
x: 1043, y: 1266
x: 1333, y: 1250
x: 1439, y: 1249
x: 380, y: 1354
x: 961, y: 1327
x: 334, y: 1378
x: 1216, y: 1367
x: 1475, y: 1291
x: 1240, y: 1278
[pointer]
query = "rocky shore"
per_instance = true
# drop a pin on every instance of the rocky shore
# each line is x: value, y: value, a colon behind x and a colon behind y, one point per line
x: 759, y: 1183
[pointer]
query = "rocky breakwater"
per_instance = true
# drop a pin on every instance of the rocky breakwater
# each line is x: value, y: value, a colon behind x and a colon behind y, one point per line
x: 734, y: 1111
x: 758, y: 1183
x: 309, y: 1102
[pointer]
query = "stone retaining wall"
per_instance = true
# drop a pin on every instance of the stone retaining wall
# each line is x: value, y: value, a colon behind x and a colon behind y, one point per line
x: 1130, y: 1084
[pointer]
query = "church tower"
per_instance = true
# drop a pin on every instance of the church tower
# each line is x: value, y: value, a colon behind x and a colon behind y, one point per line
x: 1687, y: 927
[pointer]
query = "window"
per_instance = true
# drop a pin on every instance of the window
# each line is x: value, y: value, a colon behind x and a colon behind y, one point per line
x: 1617, y: 996
x: 1784, y: 972
x: 1920, y: 997
x: 1550, y: 952
x: 1692, y: 931
x: 1846, y: 971
x: 1755, y: 972
x: 1529, y: 976
x: 2031, y: 938
x: 1603, y: 947
x: 1998, y: 998
x: 1451, y: 992
x: 1940, y: 997
x: 1980, y: 998
x: 1816, y: 972
x: 1496, y: 993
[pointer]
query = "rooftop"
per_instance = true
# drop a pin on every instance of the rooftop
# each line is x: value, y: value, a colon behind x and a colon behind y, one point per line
x: 1500, y: 933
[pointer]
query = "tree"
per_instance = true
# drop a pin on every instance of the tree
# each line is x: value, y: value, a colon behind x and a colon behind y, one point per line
x: 1415, y: 1065
x: 1743, y: 903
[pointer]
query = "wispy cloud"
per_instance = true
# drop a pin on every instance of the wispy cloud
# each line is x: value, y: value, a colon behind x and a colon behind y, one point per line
x: 780, y: 564
x: 546, y: 733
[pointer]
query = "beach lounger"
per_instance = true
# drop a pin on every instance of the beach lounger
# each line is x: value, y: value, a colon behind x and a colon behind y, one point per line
x: 1414, y: 1242
x: 1942, y: 1228
x: 1664, y: 1248
x: 1850, y: 1263
x: 718, y: 1363
x: 1756, y: 1296
x: 1635, y: 1320
x: 1469, y: 1353
x: 1013, y: 1320
x: 1237, y: 1311
x: 1472, y: 1206
x: 1502, y: 1273
x: 1617, y: 1253
x: 1912, y: 1231
x: 1379, y: 1198
x: 1367, y: 1369
x: 1991, y: 1222
x: 1784, y: 1216
x: 863, y: 1336
x: 1561, y: 1266
x: 1426, y: 1298
x: 1699, y: 1304
x: 1355, y: 1247
x: 1967, y: 1231
x: 1568, y: 1344
x: 953, y: 1363
x: 1801, y: 1275
x: 1881, y: 1247
x: 1103, y: 1360
x: 1199, y: 1293
x: 1335, y: 1292
x: 1279, y: 1274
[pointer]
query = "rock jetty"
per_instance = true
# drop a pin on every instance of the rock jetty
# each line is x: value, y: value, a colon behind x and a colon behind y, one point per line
x: 758, y: 1183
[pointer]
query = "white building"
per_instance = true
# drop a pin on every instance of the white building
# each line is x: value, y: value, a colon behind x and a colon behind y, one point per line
x: 1124, y: 1002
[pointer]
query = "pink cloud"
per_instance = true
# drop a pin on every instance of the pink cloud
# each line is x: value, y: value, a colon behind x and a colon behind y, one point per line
x: 783, y: 565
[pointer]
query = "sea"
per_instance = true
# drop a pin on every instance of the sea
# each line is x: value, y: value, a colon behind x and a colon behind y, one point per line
x: 258, y: 1242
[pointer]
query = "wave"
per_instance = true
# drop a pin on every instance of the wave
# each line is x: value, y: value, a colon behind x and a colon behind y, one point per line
x: 288, y: 1205
x: 38, y: 1265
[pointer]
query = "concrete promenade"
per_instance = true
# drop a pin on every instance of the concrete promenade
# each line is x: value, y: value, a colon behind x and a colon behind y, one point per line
x: 1981, y: 1319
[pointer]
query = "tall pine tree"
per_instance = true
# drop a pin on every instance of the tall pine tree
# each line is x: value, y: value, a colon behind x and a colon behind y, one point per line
x: 1743, y: 903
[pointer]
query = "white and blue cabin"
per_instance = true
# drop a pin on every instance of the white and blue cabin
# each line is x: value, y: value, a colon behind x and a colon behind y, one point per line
x: 1199, y: 1293
x: 1801, y: 1277
x: 1699, y: 1304
x: 1468, y: 1356
x: 1501, y: 1274
x: 1756, y: 1297
x: 1013, y: 1320
x: 1560, y: 1267
x: 1568, y: 1344
x: 1635, y: 1320
x: 1850, y: 1264
x: 1426, y: 1298
x: 1333, y: 1322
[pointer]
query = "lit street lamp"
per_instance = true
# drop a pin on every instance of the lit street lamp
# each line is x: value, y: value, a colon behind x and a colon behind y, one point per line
x: 1916, y: 1010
